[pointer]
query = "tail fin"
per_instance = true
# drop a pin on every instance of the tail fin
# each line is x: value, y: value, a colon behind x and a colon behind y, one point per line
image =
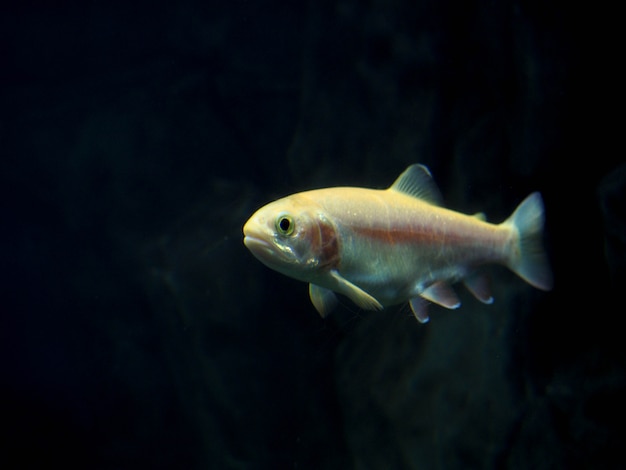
x: 529, y: 261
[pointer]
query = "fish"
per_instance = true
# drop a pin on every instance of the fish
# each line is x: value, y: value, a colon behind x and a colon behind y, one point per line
x: 383, y: 247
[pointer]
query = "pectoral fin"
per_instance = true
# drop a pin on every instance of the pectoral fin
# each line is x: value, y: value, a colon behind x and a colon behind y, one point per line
x: 354, y: 293
x: 324, y: 300
x: 442, y: 294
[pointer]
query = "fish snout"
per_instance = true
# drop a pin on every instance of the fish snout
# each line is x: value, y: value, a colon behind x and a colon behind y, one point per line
x: 255, y: 240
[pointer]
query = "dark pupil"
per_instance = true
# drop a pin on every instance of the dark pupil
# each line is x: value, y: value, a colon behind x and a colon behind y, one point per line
x: 284, y: 224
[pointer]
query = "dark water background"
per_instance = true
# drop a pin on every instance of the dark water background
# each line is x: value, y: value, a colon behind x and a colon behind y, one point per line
x: 138, y: 332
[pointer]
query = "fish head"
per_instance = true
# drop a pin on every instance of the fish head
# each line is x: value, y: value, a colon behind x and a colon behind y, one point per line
x: 292, y: 236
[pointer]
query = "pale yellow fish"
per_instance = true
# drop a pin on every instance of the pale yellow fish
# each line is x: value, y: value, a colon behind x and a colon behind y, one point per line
x: 386, y: 247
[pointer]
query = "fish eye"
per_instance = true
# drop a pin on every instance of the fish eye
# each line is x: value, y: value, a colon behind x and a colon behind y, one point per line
x: 285, y: 224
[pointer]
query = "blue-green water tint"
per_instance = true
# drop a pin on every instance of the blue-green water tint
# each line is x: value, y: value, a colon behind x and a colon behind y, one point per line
x: 138, y: 332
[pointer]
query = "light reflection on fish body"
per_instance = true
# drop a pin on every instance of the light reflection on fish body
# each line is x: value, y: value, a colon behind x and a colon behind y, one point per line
x: 387, y: 247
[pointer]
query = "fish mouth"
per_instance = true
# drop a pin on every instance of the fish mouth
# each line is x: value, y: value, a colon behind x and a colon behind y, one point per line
x: 255, y: 244
x: 261, y: 249
x: 253, y: 239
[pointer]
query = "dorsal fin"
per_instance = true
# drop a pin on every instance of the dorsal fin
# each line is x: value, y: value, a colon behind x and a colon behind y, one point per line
x: 416, y: 181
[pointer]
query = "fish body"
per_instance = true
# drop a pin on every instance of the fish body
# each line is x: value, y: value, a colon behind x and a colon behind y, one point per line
x: 387, y: 247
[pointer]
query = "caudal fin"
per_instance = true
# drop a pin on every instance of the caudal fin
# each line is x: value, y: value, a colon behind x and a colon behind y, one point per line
x: 529, y: 261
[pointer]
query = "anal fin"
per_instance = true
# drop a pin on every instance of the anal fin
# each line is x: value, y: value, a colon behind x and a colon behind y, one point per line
x: 478, y: 285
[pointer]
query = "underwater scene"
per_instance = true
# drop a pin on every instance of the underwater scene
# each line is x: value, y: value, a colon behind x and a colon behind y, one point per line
x: 309, y: 235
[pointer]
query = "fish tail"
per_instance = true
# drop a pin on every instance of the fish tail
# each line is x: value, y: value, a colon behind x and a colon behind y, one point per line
x: 529, y: 260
